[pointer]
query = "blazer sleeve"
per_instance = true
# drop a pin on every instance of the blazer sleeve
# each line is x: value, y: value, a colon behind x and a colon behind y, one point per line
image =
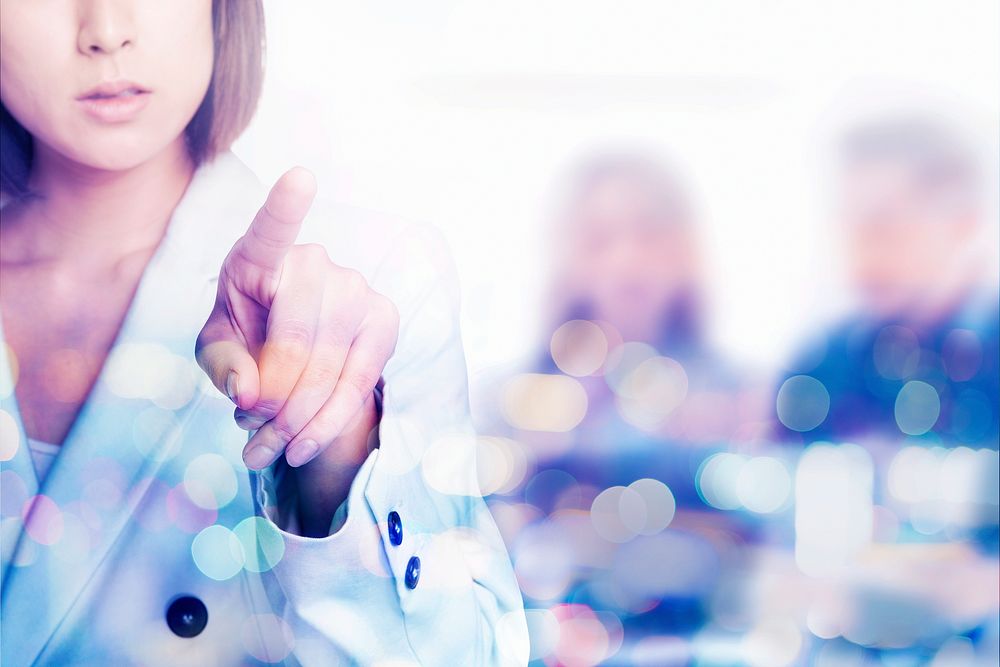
x: 414, y: 569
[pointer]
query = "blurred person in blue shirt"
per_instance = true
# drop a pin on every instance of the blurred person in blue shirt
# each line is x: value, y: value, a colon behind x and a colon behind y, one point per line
x: 912, y: 375
x: 920, y: 356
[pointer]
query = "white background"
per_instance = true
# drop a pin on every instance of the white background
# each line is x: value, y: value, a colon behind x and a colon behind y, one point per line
x: 467, y: 114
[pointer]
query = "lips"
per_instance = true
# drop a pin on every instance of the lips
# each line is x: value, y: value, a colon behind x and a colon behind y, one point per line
x: 110, y: 89
x: 115, y: 101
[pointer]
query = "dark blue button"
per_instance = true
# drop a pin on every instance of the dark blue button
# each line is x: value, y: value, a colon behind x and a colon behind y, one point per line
x: 187, y: 616
x: 412, y: 572
x: 395, y: 529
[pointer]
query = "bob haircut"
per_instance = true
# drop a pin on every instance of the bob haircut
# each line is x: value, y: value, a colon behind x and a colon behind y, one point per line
x: 229, y: 104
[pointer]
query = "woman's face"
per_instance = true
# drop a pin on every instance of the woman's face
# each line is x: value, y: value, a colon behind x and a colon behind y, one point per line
x: 630, y: 259
x: 107, y: 84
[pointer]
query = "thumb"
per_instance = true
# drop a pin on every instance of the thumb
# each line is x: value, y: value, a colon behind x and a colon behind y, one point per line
x: 223, y: 355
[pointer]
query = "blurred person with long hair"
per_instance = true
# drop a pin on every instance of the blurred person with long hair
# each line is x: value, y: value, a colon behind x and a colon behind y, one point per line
x: 627, y: 260
x: 132, y: 532
x: 619, y: 411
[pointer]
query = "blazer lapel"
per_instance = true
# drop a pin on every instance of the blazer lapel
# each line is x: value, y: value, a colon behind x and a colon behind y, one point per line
x: 132, y: 423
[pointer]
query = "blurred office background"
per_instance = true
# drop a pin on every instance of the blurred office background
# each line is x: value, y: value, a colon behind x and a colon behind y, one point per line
x: 729, y: 302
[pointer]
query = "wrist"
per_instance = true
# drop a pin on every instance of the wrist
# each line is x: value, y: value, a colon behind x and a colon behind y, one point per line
x: 322, y: 485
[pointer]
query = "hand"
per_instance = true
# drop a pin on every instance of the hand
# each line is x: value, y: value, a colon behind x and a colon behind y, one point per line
x: 296, y: 342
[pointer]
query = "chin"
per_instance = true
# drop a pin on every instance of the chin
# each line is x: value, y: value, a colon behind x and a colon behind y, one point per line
x: 885, y: 307
x: 118, y: 149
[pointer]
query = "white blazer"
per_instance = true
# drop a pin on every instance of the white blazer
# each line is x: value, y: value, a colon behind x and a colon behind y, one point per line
x: 150, y: 543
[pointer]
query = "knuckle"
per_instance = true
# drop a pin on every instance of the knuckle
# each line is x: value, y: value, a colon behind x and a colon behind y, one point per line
x: 240, y: 259
x: 353, y: 282
x: 361, y: 383
x: 284, y: 354
x: 322, y: 427
x: 292, y: 335
x: 283, y: 429
x: 265, y: 408
x: 390, y: 310
x: 313, y: 253
x: 339, y: 331
x: 322, y: 375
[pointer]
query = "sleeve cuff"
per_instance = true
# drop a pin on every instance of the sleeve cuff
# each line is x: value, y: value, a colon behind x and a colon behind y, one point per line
x: 280, y: 511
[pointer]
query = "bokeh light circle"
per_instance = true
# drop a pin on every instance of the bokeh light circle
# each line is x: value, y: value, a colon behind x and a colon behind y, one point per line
x: 43, y: 520
x: 579, y: 348
x: 624, y: 359
x: 962, y: 354
x: 618, y: 514
x: 543, y: 632
x: 917, y: 408
x: 8, y: 359
x: 10, y: 436
x: 543, y: 562
x: 775, y: 642
x: 218, y: 553
x: 651, y: 391
x: 763, y: 485
x: 262, y: 542
x: 13, y: 493
x: 802, y: 403
x: 716, y: 480
x: 501, y: 464
x: 539, y: 402
x: 210, y: 481
x: 896, y: 352
x: 659, y: 503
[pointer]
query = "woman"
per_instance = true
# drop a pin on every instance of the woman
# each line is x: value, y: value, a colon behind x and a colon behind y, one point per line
x: 619, y: 411
x: 130, y: 533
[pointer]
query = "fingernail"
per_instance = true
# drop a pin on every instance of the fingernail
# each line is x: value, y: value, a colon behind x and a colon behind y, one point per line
x: 301, y: 452
x: 249, y: 422
x: 233, y: 386
x: 258, y: 457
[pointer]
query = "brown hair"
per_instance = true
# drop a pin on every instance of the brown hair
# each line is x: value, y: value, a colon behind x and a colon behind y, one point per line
x: 229, y: 104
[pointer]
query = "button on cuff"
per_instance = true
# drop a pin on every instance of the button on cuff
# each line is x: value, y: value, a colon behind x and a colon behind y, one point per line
x: 412, y: 573
x: 395, y: 528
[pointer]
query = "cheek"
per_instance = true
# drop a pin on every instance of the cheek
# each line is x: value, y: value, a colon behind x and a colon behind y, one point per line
x: 933, y: 252
x: 35, y: 75
x: 186, y: 64
x: 861, y: 257
x: 670, y: 261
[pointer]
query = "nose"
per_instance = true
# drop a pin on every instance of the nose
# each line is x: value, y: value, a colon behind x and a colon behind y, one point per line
x: 106, y: 26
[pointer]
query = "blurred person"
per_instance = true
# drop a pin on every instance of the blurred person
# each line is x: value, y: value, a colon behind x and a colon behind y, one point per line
x: 132, y: 531
x: 627, y: 259
x: 920, y: 355
x: 912, y: 374
x: 618, y: 412
x: 627, y: 254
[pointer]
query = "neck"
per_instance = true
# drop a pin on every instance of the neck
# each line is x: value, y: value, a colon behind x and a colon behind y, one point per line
x: 83, y: 214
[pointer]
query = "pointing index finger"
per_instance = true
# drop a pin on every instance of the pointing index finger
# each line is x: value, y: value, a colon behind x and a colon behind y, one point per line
x: 277, y: 223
